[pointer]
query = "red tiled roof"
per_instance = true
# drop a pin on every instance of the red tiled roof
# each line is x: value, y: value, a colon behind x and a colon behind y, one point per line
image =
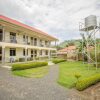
x: 24, y: 26
x: 67, y: 48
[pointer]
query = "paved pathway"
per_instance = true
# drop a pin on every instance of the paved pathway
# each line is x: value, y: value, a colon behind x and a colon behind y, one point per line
x: 20, y: 88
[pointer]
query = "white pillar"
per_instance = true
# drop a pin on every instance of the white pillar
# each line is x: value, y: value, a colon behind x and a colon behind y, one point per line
x: 38, y: 54
x: 3, y: 39
x: 38, y: 42
x: 3, y: 55
x: 55, y: 43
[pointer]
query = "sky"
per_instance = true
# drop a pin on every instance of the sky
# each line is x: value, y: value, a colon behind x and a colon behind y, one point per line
x: 59, y: 18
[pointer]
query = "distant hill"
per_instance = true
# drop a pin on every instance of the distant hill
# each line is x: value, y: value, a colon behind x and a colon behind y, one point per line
x: 69, y: 42
x: 72, y: 42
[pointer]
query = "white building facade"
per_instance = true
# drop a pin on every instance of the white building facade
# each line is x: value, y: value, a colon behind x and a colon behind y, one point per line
x: 19, y: 42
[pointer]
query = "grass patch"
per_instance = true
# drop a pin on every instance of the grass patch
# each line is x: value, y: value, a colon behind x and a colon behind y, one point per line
x: 69, y: 69
x: 33, y: 72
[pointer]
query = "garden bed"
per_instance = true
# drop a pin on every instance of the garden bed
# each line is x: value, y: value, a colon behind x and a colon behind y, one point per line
x: 69, y: 69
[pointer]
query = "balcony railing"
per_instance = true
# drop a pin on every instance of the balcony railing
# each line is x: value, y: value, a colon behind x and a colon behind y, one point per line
x: 13, y: 41
x: 34, y: 43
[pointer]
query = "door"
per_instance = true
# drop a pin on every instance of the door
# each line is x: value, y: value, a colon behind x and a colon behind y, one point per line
x: 31, y: 53
x: 13, y: 37
x: 0, y: 54
x: 31, y: 40
x: 1, y: 34
x: 26, y: 39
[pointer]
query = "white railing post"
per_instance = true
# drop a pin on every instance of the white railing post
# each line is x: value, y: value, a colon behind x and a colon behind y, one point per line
x: 3, y: 54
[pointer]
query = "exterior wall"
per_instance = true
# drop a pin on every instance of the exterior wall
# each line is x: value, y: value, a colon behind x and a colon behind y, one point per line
x: 19, y: 54
x: 7, y: 37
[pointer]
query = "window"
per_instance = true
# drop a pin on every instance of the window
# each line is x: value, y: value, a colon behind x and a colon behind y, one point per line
x: 41, y: 43
x: 46, y: 52
x: 0, y: 50
x: 23, y: 52
x: 31, y: 51
x: 0, y: 58
x: 27, y: 51
x: 40, y: 52
x: 1, y: 31
x: 13, y: 37
x: 27, y: 39
x: 46, y: 42
x: 31, y: 40
x: 12, y: 52
x: 35, y: 53
x: 35, y: 41
x: 23, y: 38
x: 1, y: 34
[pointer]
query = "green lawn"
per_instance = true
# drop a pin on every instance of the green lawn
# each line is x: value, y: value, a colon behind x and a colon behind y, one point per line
x: 32, y: 72
x: 69, y: 69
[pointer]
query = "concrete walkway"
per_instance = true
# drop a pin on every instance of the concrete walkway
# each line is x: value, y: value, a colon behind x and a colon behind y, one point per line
x: 20, y: 88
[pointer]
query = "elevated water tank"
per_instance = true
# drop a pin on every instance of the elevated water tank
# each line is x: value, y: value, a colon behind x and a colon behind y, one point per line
x: 91, y: 22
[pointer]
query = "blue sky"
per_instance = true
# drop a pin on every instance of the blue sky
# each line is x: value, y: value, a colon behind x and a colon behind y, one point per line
x: 58, y: 18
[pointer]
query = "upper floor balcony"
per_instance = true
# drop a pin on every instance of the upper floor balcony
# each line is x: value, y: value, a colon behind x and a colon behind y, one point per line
x: 12, y: 37
x: 15, y: 32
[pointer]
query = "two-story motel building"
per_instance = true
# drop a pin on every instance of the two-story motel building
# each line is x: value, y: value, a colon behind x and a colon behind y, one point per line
x: 20, y: 42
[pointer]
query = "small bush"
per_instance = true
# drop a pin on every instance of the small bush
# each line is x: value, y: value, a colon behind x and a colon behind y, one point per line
x: 58, y: 60
x: 85, y: 83
x: 28, y: 65
x: 77, y: 75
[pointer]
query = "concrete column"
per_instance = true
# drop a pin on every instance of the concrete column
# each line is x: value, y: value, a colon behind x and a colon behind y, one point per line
x: 3, y: 39
x: 3, y: 55
x: 38, y: 42
x: 55, y: 43
x: 25, y: 54
x: 38, y: 54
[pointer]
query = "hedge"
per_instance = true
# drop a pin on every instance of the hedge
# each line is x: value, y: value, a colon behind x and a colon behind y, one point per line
x: 85, y: 83
x: 28, y: 65
x: 58, y: 60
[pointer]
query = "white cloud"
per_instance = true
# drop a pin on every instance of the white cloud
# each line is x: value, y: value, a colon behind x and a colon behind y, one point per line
x: 56, y: 17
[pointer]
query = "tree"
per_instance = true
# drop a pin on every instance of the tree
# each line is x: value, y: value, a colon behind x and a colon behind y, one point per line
x: 83, y: 45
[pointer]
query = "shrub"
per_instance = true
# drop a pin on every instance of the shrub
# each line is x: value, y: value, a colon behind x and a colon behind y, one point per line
x: 77, y: 75
x: 85, y: 83
x: 28, y: 65
x: 58, y: 60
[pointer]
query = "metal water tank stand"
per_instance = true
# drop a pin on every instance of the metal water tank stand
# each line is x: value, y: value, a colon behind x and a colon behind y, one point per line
x: 86, y: 50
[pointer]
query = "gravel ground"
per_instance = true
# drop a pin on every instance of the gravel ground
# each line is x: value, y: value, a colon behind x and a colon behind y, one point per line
x: 20, y: 88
